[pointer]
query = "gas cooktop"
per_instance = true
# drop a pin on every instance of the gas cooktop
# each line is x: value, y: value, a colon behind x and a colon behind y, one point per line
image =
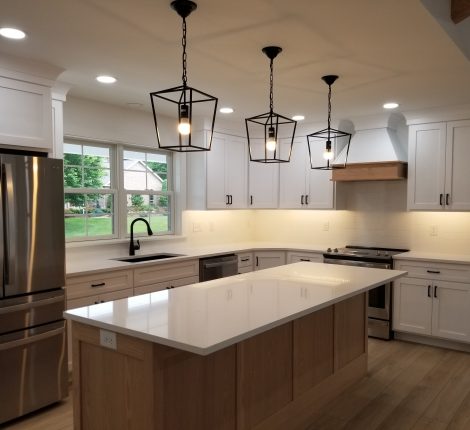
x: 363, y: 253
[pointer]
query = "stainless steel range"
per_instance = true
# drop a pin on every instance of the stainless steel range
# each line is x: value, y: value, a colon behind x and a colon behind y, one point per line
x: 379, y: 310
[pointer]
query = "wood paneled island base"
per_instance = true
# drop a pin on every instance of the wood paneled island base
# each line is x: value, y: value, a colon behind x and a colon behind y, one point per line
x: 274, y: 380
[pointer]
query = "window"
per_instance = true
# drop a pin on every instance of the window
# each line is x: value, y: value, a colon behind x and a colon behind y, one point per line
x: 107, y: 186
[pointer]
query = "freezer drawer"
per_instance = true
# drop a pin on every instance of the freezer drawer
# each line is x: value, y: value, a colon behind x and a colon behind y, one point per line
x: 33, y: 369
x: 24, y: 312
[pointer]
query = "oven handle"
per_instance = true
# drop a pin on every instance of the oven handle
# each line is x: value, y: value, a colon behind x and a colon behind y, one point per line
x: 357, y: 263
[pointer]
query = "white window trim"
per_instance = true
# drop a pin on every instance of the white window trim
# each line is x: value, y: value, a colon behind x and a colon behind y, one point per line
x: 120, y: 194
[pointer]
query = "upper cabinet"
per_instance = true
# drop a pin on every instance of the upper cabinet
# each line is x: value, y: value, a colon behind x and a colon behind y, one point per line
x: 25, y: 114
x: 227, y: 173
x: 263, y: 185
x: 439, y: 156
x: 302, y: 187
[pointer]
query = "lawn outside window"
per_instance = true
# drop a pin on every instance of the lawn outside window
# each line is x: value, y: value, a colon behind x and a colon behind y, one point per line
x: 107, y: 186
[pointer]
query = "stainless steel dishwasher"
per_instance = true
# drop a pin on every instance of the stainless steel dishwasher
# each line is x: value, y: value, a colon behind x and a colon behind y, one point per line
x: 218, y: 267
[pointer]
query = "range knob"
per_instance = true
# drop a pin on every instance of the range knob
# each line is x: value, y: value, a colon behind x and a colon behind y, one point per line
x: 335, y: 250
x: 328, y: 250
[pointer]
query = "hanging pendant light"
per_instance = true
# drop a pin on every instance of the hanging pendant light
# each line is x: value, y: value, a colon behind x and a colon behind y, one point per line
x: 186, y: 102
x: 321, y: 142
x: 270, y: 135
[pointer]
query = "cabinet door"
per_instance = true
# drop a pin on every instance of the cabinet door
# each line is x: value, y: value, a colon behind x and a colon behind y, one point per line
x: 267, y: 259
x: 426, y: 166
x: 292, y: 184
x: 320, y: 188
x: 295, y: 257
x: 236, y: 171
x: 457, y: 187
x: 412, y: 306
x: 450, y: 314
x: 264, y: 186
x: 216, y: 187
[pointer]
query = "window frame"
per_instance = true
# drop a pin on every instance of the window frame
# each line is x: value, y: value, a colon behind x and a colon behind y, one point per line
x: 119, y: 193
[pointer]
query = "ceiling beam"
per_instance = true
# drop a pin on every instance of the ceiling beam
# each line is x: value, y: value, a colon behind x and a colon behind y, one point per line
x: 459, y: 10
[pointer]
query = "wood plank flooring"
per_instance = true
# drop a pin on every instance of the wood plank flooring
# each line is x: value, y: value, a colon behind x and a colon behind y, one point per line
x: 408, y: 387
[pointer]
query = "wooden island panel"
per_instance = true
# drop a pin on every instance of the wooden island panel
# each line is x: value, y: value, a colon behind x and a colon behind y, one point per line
x: 275, y: 380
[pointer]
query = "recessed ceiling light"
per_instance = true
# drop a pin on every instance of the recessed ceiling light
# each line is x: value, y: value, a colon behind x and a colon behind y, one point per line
x: 226, y: 110
x: 106, y: 79
x: 298, y: 117
x: 12, y: 33
x: 391, y: 105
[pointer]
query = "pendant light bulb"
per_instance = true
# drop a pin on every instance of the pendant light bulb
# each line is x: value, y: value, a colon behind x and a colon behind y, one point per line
x: 271, y: 141
x: 184, y: 127
x: 328, y: 154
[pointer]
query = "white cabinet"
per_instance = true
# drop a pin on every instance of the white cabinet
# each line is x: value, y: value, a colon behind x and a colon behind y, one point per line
x: 263, y: 185
x: 25, y: 114
x: 302, y: 187
x: 245, y: 262
x: 428, y: 303
x: 227, y: 164
x: 267, y: 259
x: 439, y: 155
x: 296, y: 256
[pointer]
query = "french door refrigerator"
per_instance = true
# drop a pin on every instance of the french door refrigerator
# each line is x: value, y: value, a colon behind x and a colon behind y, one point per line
x: 33, y: 353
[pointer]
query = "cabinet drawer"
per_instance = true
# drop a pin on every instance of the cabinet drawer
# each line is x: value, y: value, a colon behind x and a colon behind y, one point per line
x: 245, y: 269
x: 444, y: 271
x: 88, y: 285
x: 99, y: 298
x: 165, y: 272
x: 166, y: 285
x: 245, y: 260
x: 295, y: 257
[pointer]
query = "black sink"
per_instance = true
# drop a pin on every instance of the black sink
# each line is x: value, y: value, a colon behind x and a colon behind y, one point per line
x: 147, y: 257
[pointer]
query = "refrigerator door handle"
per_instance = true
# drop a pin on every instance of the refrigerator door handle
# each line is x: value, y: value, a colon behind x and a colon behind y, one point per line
x: 2, y: 228
x: 9, y: 223
x: 31, y: 339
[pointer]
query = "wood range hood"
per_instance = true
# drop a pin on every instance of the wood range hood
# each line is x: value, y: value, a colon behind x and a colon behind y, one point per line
x: 374, y: 155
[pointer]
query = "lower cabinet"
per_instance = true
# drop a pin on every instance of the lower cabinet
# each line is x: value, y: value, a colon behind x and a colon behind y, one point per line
x: 267, y: 259
x: 295, y: 257
x: 432, y: 307
x: 245, y: 262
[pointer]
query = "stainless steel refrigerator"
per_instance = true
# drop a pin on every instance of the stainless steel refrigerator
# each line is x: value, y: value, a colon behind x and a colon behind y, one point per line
x: 33, y: 352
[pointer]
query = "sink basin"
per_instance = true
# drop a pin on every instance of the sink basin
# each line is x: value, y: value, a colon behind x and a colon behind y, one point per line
x: 151, y: 257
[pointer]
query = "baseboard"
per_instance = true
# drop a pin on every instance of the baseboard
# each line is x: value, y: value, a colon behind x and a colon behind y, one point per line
x: 432, y: 341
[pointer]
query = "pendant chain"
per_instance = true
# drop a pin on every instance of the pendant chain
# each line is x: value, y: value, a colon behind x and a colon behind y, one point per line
x: 271, y: 81
x: 183, y: 43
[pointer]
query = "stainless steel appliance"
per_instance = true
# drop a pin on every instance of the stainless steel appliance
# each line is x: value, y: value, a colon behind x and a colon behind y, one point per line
x: 379, y: 309
x: 33, y: 353
x: 218, y: 267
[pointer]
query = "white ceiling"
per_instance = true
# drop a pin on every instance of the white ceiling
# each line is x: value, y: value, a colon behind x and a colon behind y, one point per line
x: 381, y: 49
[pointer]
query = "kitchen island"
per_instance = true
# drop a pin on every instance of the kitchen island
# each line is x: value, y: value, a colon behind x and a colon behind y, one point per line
x: 263, y: 350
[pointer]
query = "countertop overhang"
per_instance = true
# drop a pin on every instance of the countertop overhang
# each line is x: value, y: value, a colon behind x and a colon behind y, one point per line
x: 205, y: 317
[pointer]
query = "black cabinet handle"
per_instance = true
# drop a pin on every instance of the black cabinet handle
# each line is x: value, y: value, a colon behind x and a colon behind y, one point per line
x: 429, y: 290
x: 101, y: 284
x: 244, y: 259
x: 434, y: 271
x: 447, y: 199
x: 304, y: 259
x: 251, y: 200
x: 306, y: 199
x: 231, y: 199
x: 167, y: 288
x: 435, y: 291
x: 257, y: 262
x: 226, y: 199
x: 302, y: 199
x: 440, y: 199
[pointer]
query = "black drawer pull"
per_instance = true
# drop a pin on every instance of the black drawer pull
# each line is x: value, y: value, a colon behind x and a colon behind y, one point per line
x: 101, y: 284
x: 304, y: 259
x: 434, y: 271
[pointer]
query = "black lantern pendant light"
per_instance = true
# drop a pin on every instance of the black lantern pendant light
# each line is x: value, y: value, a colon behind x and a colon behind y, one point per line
x: 189, y: 103
x: 322, y: 140
x: 270, y: 135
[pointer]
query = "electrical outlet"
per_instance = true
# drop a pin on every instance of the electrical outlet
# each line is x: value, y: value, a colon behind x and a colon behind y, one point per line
x: 326, y: 226
x: 197, y: 227
x: 433, y: 230
x: 108, y: 339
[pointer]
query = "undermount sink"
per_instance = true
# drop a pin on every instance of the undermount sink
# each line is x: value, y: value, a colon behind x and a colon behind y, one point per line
x: 151, y: 257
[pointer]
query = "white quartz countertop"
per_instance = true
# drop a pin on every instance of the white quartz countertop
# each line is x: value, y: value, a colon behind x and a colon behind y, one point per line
x: 95, y: 260
x: 205, y: 317
x: 434, y: 257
